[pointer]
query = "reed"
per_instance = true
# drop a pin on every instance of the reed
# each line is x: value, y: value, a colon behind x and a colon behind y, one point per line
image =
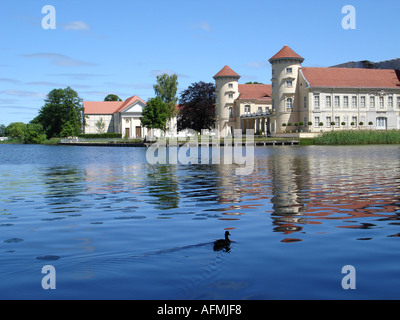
x: 353, y: 137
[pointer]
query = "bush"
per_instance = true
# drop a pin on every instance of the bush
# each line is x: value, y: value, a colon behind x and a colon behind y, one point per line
x: 101, y: 135
x: 353, y: 137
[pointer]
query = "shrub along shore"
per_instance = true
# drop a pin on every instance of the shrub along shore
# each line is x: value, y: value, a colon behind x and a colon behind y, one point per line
x: 345, y: 137
x: 358, y: 137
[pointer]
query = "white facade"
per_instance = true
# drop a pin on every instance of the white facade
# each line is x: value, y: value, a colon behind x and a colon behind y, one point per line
x: 316, y: 99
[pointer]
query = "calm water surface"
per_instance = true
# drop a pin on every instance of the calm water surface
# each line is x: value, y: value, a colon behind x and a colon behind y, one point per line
x: 116, y: 227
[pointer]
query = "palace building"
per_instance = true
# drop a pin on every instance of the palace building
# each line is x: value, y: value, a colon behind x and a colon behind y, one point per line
x: 120, y: 117
x: 308, y: 100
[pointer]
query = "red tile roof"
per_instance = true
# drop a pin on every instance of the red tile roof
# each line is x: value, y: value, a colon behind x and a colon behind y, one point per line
x: 128, y: 102
x: 226, y: 72
x: 351, y: 78
x: 101, y: 107
x: 286, y: 52
x: 255, y: 92
x: 108, y: 107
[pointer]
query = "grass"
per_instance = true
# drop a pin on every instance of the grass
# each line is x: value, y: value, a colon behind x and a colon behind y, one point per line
x: 358, y: 137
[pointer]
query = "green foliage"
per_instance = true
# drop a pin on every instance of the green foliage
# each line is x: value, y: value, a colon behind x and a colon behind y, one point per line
x: 16, y: 130
x: 100, y: 126
x: 26, y: 133
x: 2, y: 130
x: 155, y: 114
x: 101, y: 135
x: 197, y: 107
x: 34, y: 133
x: 166, y: 88
x: 67, y: 130
x: 112, y: 97
x: 254, y: 82
x: 353, y: 137
x: 62, y: 113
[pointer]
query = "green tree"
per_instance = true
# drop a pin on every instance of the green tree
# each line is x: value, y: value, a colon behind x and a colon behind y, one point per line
x: 155, y: 114
x: 16, y: 130
x: 197, y: 107
x: 100, y: 126
x: 2, y: 130
x: 63, y: 107
x: 166, y: 89
x: 34, y: 133
x: 112, y: 97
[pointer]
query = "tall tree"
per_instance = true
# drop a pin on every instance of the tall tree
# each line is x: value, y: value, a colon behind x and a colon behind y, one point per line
x: 197, y: 109
x: 155, y: 114
x: 63, y: 107
x: 112, y: 97
x: 166, y: 89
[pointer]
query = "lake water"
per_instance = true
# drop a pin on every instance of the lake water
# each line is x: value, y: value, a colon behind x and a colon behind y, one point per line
x: 115, y: 227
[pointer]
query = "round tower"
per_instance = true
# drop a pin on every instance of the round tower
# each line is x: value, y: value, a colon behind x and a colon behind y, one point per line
x: 226, y: 92
x: 285, y: 70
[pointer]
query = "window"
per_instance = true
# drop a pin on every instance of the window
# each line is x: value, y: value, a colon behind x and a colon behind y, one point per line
x: 316, y: 100
x: 354, y: 101
x: 328, y: 121
x: 381, y: 102
x: 230, y: 112
x: 328, y: 101
x: 362, y: 102
x: 398, y: 102
x: 390, y: 102
x: 246, y: 109
x: 372, y: 102
x: 337, y: 101
x: 230, y: 96
x: 289, y: 70
x: 346, y: 101
x: 305, y: 102
x: 337, y: 121
x: 381, y: 123
x: 289, y: 83
x: 354, y: 121
x: 289, y: 103
x: 317, y: 121
x: 230, y: 85
x: 259, y: 109
x: 346, y: 120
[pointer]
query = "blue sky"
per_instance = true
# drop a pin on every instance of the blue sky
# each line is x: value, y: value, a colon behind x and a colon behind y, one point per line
x: 101, y: 47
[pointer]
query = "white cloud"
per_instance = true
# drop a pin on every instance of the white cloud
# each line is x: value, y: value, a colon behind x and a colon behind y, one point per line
x: 205, y: 25
x: 158, y: 72
x: 256, y: 64
x: 22, y: 93
x: 77, y: 26
x: 59, y: 59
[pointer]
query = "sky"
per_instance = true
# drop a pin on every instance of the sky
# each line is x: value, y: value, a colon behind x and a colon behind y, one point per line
x: 102, y: 47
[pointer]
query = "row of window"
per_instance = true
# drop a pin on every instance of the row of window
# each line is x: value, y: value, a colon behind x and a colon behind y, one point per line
x: 247, y: 110
x: 381, y: 122
x: 353, y: 101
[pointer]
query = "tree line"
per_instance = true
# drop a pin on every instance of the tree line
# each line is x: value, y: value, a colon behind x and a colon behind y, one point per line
x: 62, y: 114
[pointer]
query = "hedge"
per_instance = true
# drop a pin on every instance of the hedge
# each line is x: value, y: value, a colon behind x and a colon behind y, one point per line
x: 101, y: 135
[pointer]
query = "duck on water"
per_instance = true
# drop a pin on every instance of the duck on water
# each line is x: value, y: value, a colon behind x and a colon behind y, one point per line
x: 223, y: 244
